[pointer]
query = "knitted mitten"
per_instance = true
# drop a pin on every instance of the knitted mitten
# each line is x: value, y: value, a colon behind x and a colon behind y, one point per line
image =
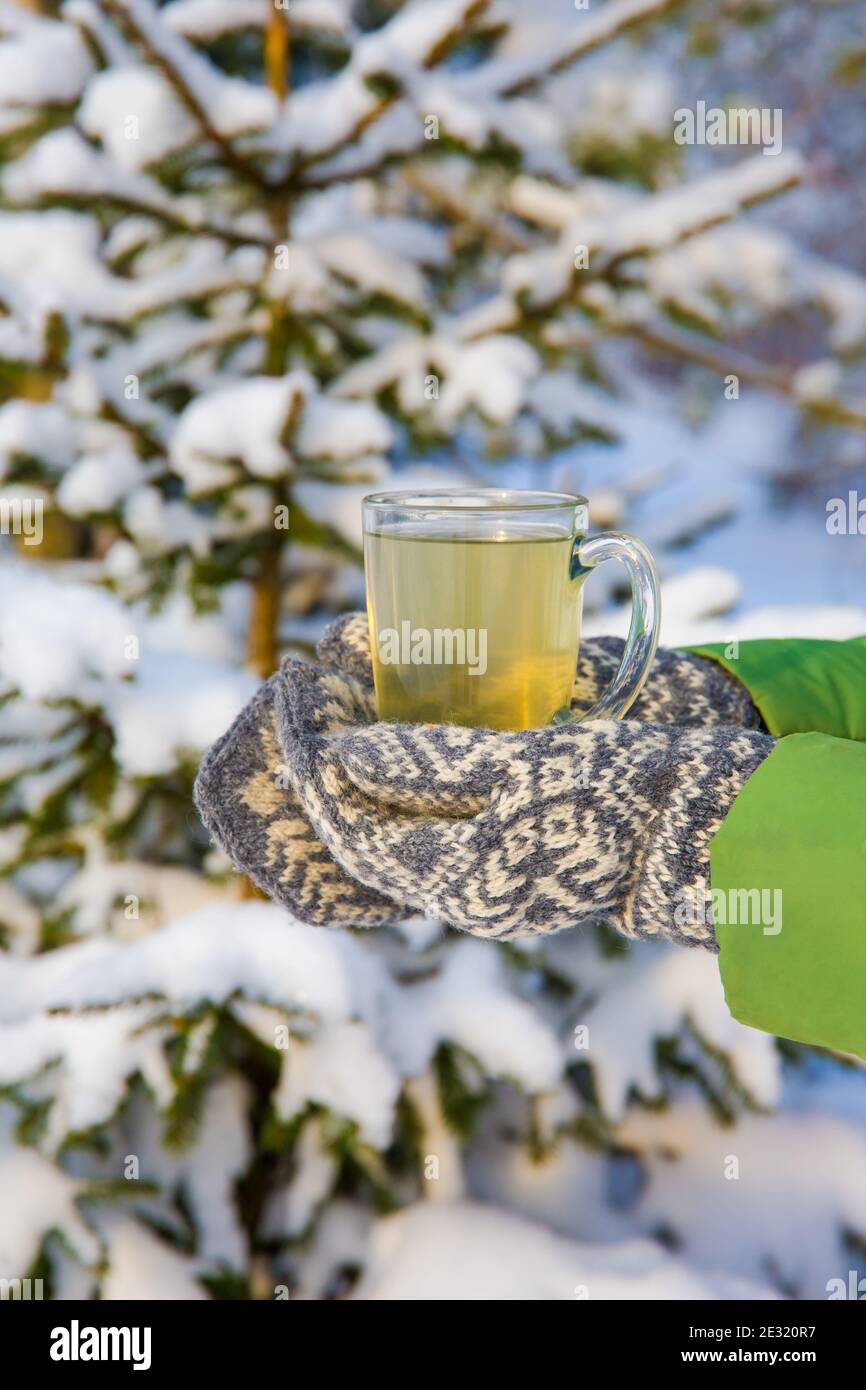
x: 245, y: 797
x: 509, y: 835
x: 681, y: 688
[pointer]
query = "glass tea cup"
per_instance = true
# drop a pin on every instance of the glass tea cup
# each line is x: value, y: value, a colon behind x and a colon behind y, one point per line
x: 475, y: 599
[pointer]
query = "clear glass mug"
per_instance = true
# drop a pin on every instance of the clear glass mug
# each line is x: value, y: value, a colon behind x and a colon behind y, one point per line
x: 475, y: 600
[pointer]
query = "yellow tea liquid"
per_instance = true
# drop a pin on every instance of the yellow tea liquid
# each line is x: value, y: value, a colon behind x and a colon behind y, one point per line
x: 479, y: 629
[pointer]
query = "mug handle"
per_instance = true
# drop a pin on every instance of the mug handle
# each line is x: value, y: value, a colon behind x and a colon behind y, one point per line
x: 643, y: 634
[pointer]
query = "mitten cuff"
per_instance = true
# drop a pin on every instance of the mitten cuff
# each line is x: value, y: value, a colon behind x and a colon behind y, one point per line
x: 671, y: 895
x: 682, y: 688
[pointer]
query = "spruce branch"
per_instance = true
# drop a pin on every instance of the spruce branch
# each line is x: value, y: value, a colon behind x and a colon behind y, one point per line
x: 445, y: 200
x: 629, y: 239
x: 149, y: 443
x: 507, y: 77
x: 161, y: 211
x: 723, y: 361
x: 673, y: 219
x: 144, y: 27
x: 514, y: 77
x: 211, y: 334
x: 384, y: 93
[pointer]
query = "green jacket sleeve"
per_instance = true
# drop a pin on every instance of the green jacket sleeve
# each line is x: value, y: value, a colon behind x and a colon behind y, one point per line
x: 788, y: 867
x: 801, y: 685
x: 788, y: 874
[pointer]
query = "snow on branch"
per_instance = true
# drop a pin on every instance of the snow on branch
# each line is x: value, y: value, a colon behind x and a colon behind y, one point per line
x: 211, y: 19
x: 221, y: 106
x: 322, y: 117
x: 512, y: 76
x: 644, y: 227
x: 473, y: 105
x: 269, y: 424
x: 618, y: 227
x: 62, y: 168
x: 42, y: 62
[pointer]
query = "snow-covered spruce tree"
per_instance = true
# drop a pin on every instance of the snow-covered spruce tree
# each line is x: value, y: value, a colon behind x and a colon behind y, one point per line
x: 253, y: 259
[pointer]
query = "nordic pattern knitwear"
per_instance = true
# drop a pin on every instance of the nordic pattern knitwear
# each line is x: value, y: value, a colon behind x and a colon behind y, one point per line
x: 681, y: 688
x: 346, y: 820
x: 246, y: 800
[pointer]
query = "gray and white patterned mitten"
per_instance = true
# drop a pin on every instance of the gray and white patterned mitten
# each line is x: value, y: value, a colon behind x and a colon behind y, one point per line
x: 245, y: 797
x: 681, y: 688
x: 514, y: 834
